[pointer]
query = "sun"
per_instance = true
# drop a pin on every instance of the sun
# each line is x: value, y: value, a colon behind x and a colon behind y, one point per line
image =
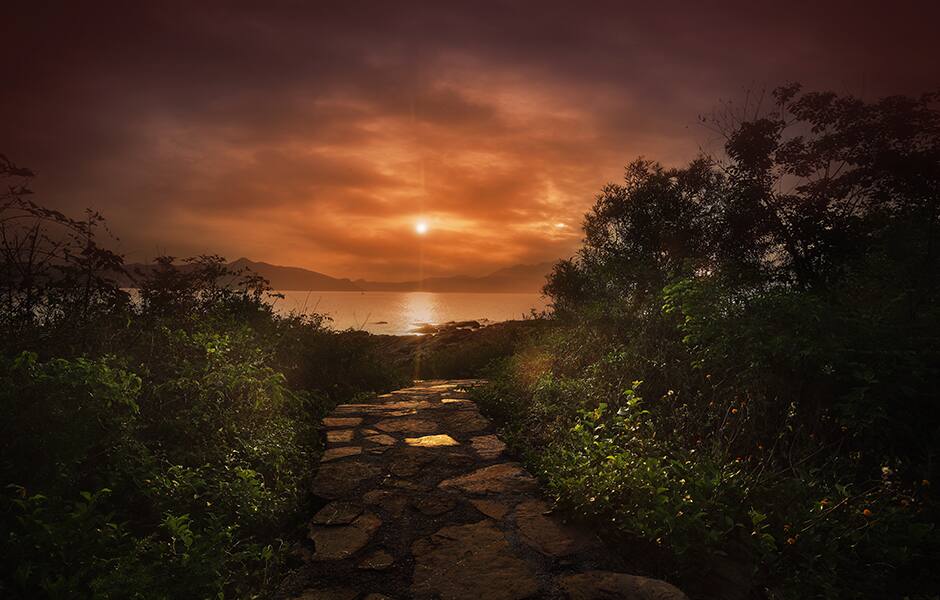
x: 421, y: 227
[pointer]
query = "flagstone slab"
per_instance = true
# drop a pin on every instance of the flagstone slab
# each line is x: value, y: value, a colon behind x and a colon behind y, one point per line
x: 470, y: 562
x: 457, y: 403
x: 358, y: 409
x: 430, y: 441
x: 406, y: 405
x: 408, y: 425
x: 496, y: 479
x: 383, y: 439
x: 334, y: 436
x: 337, y: 513
x: 341, y: 452
x: 393, y: 502
x: 538, y: 528
x: 337, y: 479
x: 379, y: 408
x: 408, y: 461
x: 491, y: 508
x: 465, y: 421
x: 333, y: 593
x: 488, y: 446
x: 458, y: 460
x: 604, y: 585
x: 377, y: 561
x: 410, y: 486
x: 342, y: 421
x: 338, y: 543
x: 435, y: 504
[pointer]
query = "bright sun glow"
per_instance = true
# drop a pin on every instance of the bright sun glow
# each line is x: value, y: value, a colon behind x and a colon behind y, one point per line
x: 421, y: 227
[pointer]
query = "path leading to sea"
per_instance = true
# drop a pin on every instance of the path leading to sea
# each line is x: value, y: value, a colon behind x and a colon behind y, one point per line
x: 421, y: 501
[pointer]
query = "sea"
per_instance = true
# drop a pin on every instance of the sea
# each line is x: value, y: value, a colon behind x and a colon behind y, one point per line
x: 405, y: 313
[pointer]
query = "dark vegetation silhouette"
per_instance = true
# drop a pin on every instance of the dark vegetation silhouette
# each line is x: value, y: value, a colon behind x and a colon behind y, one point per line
x: 742, y: 378
x: 157, y: 448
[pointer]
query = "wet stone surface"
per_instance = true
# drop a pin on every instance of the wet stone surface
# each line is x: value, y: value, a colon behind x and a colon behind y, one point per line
x: 419, y: 500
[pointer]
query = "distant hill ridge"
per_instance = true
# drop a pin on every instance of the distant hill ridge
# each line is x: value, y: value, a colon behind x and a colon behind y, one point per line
x: 514, y: 279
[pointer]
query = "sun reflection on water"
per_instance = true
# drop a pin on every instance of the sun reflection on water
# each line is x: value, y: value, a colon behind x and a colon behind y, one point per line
x: 421, y: 308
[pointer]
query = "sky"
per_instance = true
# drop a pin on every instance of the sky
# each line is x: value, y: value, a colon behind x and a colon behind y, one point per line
x: 319, y: 134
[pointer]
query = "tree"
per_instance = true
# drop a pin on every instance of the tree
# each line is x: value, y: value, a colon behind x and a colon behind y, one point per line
x: 51, y: 268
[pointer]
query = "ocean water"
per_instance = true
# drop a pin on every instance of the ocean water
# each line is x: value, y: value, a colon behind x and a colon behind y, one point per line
x: 399, y: 313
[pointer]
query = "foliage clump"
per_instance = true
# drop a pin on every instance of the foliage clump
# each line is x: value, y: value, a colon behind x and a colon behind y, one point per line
x: 742, y: 377
x: 154, y: 444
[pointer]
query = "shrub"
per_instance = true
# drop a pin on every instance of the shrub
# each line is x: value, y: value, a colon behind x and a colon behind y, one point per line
x: 156, y: 448
x: 784, y: 345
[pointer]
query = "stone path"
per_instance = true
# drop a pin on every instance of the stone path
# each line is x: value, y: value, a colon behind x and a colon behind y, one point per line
x: 420, y: 501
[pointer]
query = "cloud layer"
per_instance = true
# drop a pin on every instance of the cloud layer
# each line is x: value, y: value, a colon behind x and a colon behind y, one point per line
x: 317, y: 134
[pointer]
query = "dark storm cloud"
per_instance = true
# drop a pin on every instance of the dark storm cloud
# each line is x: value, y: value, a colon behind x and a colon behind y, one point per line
x: 316, y: 134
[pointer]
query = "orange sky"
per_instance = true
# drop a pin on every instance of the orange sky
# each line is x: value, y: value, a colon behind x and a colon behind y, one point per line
x: 316, y: 135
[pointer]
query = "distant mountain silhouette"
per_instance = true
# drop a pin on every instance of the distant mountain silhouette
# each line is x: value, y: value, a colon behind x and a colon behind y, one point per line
x: 281, y: 278
x: 518, y: 278
x: 295, y: 278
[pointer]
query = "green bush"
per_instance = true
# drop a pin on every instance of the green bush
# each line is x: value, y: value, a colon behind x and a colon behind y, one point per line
x: 179, y: 474
x: 777, y: 312
x: 175, y: 471
x: 159, y: 448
